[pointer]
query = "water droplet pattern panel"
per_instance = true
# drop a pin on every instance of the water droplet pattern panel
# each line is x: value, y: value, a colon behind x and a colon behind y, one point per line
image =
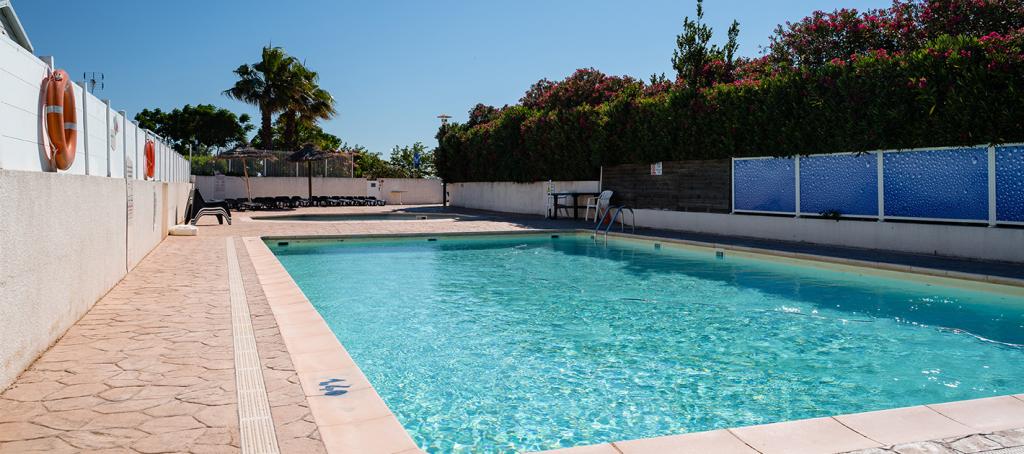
x: 937, y: 184
x: 1010, y: 184
x: 847, y: 184
x: 765, y: 185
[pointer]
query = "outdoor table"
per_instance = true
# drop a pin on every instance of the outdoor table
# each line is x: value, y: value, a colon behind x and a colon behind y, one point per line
x: 575, y: 196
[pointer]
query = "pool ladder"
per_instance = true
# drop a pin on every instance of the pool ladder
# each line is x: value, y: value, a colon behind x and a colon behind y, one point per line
x: 620, y: 215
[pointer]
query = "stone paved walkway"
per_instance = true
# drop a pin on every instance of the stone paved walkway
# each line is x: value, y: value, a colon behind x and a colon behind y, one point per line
x: 150, y: 368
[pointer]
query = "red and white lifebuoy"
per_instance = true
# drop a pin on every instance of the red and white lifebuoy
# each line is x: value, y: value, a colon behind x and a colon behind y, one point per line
x: 61, y: 122
x: 150, y: 159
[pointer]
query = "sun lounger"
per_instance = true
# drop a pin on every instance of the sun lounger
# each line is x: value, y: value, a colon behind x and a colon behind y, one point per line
x: 198, y: 207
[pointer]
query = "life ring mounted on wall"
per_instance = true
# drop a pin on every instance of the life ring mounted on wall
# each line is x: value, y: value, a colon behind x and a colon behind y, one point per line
x: 61, y: 120
x: 150, y: 159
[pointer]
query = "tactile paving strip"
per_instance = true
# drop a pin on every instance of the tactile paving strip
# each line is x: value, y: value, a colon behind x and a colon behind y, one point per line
x: 254, y: 419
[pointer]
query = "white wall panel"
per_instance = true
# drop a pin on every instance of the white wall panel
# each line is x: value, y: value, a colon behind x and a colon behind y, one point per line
x: 140, y: 154
x: 130, y: 135
x: 116, y: 140
x: 96, y: 125
x: 21, y: 79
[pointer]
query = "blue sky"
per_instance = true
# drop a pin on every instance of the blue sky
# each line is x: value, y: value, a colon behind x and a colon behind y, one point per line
x: 392, y: 66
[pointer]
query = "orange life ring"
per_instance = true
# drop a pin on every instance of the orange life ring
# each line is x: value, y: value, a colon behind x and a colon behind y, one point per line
x: 150, y: 158
x: 61, y: 120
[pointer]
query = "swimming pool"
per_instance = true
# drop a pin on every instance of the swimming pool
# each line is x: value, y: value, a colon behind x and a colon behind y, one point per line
x: 518, y: 343
x: 333, y: 217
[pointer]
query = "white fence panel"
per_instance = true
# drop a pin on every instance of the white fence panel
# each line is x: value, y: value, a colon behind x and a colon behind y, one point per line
x: 21, y: 78
x: 96, y: 136
x: 116, y: 140
x: 161, y: 162
x: 140, y: 153
x: 130, y: 134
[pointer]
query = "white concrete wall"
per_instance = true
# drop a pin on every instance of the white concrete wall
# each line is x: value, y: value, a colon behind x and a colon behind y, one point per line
x: 151, y: 216
x: 100, y: 151
x: 524, y: 198
x: 65, y: 240
x: 419, y: 191
x: 145, y: 231
x: 974, y: 242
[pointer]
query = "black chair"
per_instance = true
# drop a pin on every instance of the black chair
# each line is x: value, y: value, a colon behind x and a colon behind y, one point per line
x: 198, y: 207
x: 236, y: 204
x: 283, y: 202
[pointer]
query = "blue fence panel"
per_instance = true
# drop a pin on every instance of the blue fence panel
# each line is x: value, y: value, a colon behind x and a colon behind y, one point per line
x: 845, y: 183
x: 937, y: 184
x: 1010, y: 184
x: 767, y: 184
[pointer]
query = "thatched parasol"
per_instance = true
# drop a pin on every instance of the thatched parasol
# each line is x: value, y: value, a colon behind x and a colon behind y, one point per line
x: 309, y: 154
x: 244, y: 152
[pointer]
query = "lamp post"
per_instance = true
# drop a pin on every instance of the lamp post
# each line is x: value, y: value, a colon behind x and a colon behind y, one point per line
x: 444, y: 184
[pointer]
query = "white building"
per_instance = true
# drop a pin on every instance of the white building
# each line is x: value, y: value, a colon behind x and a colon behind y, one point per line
x: 10, y: 26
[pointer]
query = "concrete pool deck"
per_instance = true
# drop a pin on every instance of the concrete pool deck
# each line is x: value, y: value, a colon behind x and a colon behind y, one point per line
x: 152, y: 366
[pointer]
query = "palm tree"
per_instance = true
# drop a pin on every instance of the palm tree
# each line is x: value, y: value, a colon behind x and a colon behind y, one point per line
x: 269, y: 84
x: 308, y: 104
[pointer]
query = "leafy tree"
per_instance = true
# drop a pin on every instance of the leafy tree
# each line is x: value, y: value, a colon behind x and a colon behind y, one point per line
x: 200, y: 128
x: 269, y: 84
x: 308, y: 104
x: 400, y: 165
x: 533, y: 97
x: 908, y: 25
x: 482, y: 113
x: 586, y: 86
x: 370, y: 165
x: 304, y: 133
x: 696, y: 62
x: 403, y: 159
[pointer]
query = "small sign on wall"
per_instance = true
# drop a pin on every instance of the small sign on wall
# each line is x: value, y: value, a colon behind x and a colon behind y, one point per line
x: 129, y: 173
x: 656, y: 168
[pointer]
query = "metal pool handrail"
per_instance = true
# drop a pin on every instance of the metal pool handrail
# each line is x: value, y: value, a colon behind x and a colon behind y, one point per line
x: 622, y: 221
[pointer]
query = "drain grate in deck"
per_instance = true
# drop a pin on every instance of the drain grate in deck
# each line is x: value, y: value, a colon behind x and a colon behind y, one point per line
x: 254, y: 420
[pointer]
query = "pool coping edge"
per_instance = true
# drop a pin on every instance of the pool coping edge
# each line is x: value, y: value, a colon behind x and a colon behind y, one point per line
x: 816, y: 259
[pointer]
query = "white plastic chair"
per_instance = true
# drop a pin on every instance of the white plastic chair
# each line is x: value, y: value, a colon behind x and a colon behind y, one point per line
x: 599, y: 204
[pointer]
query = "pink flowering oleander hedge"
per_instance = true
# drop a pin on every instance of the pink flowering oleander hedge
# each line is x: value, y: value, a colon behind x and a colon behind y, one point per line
x: 920, y: 74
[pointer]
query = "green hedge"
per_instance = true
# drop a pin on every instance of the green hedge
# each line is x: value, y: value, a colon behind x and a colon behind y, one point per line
x: 953, y: 91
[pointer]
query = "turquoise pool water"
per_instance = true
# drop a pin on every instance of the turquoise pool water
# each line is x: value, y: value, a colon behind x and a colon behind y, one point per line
x: 509, y: 344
